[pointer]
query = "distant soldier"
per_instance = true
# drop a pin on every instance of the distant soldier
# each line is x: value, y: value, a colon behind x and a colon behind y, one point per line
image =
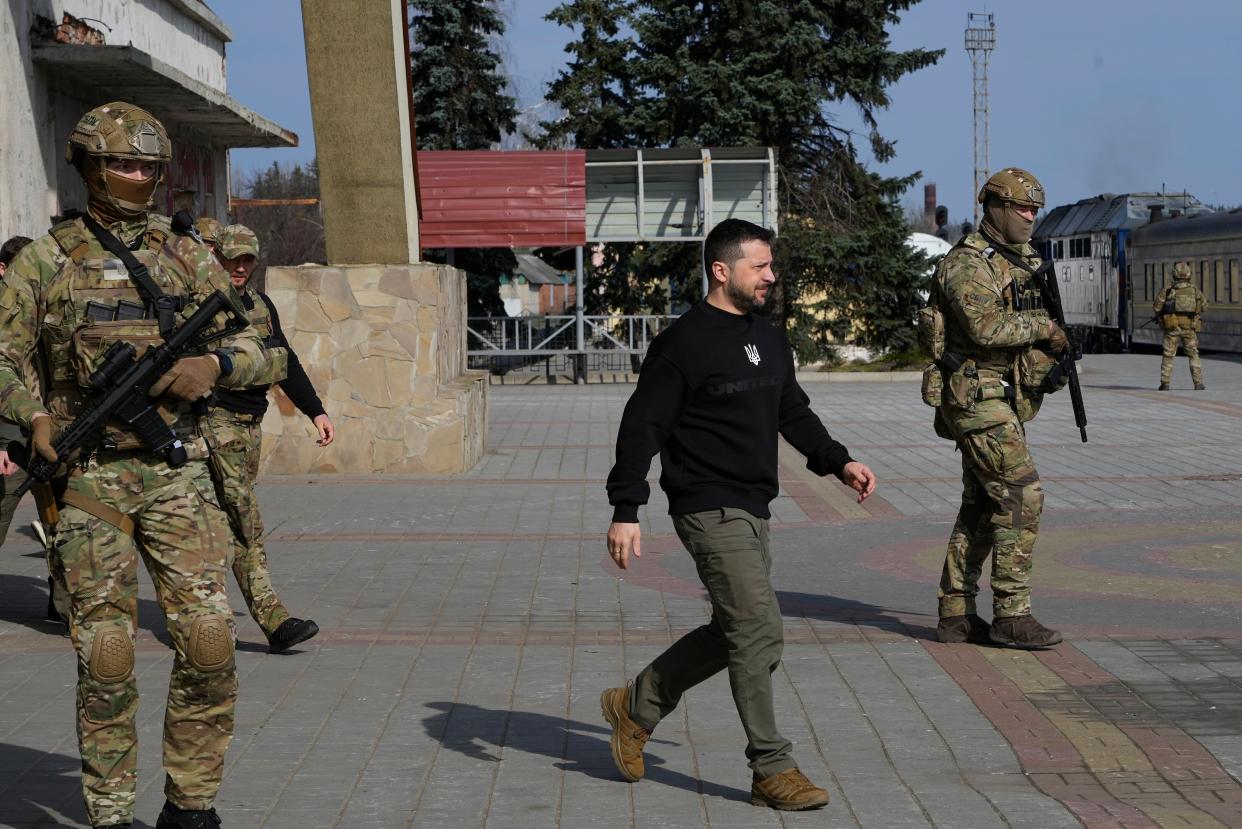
x: 120, y: 274
x: 997, y: 347
x: 235, y: 435
x: 1181, y: 307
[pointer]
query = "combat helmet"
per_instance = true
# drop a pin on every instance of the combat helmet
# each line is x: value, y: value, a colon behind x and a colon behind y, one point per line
x: 1016, y: 185
x: 118, y: 130
x: 1181, y: 271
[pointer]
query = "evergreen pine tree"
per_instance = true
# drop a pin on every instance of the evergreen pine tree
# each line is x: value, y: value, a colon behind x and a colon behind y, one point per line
x: 763, y: 73
x: 461, y: 104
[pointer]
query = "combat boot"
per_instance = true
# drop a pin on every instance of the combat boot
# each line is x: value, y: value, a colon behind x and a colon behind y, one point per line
x: 788, y: 791
x: 173, y: 817
x: 1022, y: 632
x: 125, y: 825
x: 954, y: 630
x: 1163, y: 387
x: 291, y: 632
x: 628, y: 737
x: 1199, y: 387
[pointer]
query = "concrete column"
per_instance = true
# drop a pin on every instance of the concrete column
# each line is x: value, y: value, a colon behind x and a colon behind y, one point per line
x: 356, y: 59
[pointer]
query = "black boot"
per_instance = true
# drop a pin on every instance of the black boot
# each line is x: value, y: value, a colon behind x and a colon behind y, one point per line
x: 291, y: 632
x: 1023, y: 632
x: 1163, y: 387
x: 1199, y: 386
x: 954, y: 630
x: 173, y: 817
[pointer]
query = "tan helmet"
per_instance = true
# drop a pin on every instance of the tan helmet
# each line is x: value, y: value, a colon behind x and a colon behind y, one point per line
x: 1181, y: 270
x: 209, y: 230
x: 119, y: 130
x: 1016, y: 185
x: 237, y: 240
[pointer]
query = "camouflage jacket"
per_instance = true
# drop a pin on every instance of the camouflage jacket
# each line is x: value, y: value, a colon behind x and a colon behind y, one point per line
x: 990, y: 306
x: 47, y: 331
x: 992, y: 316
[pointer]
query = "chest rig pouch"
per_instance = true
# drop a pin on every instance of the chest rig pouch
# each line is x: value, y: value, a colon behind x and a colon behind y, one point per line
x: 114, y: 298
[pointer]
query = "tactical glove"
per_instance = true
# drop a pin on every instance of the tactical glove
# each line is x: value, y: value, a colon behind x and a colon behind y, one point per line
x: 1057, y: 341
x: 41, y: 438
x: 190, y: 378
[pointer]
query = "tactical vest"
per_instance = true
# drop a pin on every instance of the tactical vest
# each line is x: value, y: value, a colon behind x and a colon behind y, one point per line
x: 92, y: 303
x: 1181, y: 306
x: 258, y: 314
x: 1017, y: 289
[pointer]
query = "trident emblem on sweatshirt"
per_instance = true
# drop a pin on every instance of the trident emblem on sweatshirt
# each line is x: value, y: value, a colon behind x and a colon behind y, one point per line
x: 752, y: 354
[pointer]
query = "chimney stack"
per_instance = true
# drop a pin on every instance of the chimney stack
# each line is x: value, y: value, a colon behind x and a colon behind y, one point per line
x: 1157, y: 212
x: 929, y: 199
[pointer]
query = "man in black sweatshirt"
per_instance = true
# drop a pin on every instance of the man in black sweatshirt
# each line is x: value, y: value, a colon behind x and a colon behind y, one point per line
x: 234, y: 434
x: 715, y: 391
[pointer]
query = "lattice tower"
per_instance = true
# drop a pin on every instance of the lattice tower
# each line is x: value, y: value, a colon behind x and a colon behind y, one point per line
x: 980, y: 41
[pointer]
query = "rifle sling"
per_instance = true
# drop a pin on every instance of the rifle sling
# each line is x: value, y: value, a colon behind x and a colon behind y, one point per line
x: 146, y: 286
x: 100, y: 510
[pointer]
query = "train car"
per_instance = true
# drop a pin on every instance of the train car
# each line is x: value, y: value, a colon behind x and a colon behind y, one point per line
x: 1088, y: 241
x: 1212, y: 244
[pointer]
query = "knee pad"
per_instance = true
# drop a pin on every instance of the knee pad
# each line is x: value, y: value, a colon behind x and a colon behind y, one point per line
x: 210, y: 646
x: 112, y: 654
x: 1032, y: 505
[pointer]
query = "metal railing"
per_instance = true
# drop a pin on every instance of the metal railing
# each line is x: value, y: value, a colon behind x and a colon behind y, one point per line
x: 504, y: 344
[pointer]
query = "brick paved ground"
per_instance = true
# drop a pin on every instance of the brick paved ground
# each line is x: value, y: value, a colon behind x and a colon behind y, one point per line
x: 470, y: 623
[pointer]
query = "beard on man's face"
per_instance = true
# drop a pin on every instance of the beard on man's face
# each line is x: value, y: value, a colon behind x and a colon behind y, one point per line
x: 746, y: 302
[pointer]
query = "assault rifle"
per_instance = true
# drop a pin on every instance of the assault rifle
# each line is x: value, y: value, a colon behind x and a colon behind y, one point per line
x: 121, y: 385
x: 1045, y: 277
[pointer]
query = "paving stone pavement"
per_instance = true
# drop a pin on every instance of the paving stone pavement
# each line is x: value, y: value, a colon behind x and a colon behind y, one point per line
x: 470, y: 623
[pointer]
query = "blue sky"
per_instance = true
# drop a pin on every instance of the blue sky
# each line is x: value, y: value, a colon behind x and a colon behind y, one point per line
x: 1095, y: 96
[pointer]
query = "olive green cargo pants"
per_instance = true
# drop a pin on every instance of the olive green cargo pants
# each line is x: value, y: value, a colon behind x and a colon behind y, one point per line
x: 745, y: 634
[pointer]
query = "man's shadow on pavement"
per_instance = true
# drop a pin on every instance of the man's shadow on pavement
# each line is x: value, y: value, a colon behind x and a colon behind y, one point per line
x: 850, y: 612
x: 42, y: 789
x: 574, y: 746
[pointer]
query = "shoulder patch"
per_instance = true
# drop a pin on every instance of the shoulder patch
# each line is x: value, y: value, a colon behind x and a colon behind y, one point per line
x: 72, y: 238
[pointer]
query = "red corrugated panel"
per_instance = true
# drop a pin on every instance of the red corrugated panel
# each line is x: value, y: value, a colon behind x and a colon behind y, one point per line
x: 502, y: 199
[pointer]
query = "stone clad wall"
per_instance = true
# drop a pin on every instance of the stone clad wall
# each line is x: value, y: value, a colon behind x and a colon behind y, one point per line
x: 384, y: 345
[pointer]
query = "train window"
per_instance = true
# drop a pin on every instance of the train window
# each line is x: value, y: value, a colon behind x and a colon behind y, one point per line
x: 1060, y: 248
x: 1220, y: 288
x: 1091, y: 273
x: 1234, y: 296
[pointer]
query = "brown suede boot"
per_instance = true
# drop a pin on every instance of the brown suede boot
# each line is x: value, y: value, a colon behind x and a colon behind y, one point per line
x: 954, y: 630
x: 628, y: 737
x: 788, y: 791
x: 1023, y: 632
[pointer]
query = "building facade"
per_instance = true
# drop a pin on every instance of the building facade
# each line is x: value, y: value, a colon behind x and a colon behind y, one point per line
x: 63, y: 57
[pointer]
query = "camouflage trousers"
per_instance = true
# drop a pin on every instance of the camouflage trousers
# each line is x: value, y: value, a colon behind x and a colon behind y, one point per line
x: 1002, y: 499
x: 182, y: 537
x: 234, y: 468
x: 1188, y: 339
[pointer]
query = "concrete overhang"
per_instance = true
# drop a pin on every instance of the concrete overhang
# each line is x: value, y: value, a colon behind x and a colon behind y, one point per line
x: 123, y: 73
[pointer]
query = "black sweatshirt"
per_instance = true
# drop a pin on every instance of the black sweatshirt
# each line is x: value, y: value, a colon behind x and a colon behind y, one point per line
x: 253, y: 400
x: 714, y: 391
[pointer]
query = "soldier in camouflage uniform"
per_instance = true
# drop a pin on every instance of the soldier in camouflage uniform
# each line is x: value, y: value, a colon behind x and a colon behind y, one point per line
x: 1181, y: 307
x: 123, y: 502
x: 233, y: 429
x: 997, y: 343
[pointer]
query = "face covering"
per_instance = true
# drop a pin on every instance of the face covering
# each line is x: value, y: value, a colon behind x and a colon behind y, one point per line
x: 1002, y: 223
x: 113, y: 197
